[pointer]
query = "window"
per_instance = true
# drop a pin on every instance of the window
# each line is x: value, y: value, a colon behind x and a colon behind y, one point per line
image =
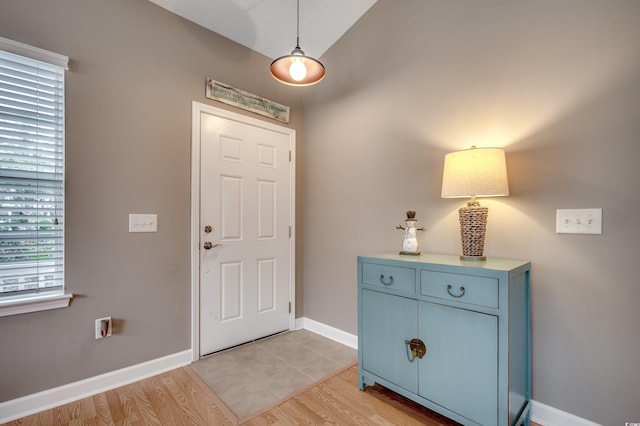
x: 31, y: 179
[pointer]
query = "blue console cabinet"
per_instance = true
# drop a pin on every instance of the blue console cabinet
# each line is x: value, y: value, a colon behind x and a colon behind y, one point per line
x: 473, y: 319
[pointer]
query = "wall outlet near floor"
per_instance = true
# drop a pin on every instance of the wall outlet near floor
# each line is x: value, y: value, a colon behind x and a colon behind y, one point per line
x: 579, y: 221
x: 104, y: 327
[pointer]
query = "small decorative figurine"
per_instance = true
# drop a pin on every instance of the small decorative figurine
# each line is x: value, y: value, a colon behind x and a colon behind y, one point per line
x: 410, y: 242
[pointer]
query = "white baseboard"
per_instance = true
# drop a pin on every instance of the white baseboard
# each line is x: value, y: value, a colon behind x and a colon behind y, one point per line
x: 540, y: 413
x: 328, y: 332
x: 31, y: 404
x: 549, y: 416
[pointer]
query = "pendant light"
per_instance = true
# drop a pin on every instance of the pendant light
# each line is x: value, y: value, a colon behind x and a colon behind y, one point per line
x: 297, y: 69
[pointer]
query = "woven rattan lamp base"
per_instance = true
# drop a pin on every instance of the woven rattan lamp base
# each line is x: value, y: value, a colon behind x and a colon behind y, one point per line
x: 473, y: 227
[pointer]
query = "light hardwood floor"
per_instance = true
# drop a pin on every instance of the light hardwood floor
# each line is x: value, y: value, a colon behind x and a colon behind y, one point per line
x: 179, y: 397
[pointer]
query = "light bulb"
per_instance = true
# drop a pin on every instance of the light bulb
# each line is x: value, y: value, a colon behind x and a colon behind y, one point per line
x: 297, y: 70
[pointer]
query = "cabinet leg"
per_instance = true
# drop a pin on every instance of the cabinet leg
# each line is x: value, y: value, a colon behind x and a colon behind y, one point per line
x: 525, y: 417
x: 361, y: 384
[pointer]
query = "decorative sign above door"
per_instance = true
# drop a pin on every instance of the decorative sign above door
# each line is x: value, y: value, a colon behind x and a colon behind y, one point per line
x: 239, y: 98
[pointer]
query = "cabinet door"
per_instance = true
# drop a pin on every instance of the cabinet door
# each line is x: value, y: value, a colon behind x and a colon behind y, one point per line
x: 460, y: 369
x: 387, y: 321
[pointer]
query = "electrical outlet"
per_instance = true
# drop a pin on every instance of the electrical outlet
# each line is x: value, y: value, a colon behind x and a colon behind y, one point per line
x: 579, y: 221
x: 104, y: 327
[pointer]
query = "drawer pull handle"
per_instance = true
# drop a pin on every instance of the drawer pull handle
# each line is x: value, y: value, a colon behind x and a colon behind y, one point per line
x: 386, y: 282
x: 455, y: 295
x: 415, y: 348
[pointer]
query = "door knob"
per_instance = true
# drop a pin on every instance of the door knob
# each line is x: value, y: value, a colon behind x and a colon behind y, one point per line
x: 208, y: 245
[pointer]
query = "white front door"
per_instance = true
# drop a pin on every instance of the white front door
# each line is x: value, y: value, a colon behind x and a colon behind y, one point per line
x: 245, y: 248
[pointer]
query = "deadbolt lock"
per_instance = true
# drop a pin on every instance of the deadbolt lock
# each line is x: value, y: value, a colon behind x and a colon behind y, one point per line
x: 208, y: 229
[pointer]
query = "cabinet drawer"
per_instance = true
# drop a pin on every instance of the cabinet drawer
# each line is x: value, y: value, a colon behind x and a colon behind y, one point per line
x: 389, y: 277
x: 474, y: 290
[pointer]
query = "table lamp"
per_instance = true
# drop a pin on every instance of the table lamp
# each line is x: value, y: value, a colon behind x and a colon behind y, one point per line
x: 475, y: 172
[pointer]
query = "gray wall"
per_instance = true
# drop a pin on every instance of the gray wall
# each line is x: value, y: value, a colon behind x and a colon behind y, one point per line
x: 556, y: 83
x: 135, y: 68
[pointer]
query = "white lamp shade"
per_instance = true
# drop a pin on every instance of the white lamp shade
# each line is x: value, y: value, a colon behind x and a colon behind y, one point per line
x: 475, y: 172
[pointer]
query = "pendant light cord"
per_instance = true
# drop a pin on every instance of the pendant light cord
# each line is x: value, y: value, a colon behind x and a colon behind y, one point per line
x: 298, y: 27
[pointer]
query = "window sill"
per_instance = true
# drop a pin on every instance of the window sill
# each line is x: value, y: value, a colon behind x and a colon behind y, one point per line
x: 25, y: 304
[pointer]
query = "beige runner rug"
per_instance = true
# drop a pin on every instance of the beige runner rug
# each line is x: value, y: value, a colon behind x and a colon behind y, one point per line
x: 263, y: 373
x: 225, y: 416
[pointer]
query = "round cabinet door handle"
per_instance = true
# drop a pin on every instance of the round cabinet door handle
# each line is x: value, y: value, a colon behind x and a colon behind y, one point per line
x: 388, y: 282
x: 415, y: 348
x: 449, y: 287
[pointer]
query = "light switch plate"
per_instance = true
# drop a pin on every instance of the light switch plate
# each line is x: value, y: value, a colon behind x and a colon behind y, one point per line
x: 579, y: 221
x: 143, y: 223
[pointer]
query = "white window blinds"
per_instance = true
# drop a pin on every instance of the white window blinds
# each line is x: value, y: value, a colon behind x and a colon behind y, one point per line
x: 31, y: 175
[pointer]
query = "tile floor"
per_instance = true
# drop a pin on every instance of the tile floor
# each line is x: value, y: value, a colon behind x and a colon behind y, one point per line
x: 255, y: 375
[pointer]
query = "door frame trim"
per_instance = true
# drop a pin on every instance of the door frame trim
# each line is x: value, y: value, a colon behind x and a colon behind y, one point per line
x: 196, y: 109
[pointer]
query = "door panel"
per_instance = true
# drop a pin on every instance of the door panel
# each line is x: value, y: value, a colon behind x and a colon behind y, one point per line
x: 266, y: 209
x: 231, y: 284
x: 460, y: 368
x: 231, y: 195
x: 384, y: 351
x: 245, y: 193
x: 266, y: 285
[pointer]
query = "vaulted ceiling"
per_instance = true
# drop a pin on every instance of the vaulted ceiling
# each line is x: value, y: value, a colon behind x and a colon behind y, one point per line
x: 269, y: 26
